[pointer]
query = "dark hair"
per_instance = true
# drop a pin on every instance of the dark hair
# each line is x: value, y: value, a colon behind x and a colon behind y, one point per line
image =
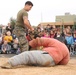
x: 36, y: 35
x: 29, y: 3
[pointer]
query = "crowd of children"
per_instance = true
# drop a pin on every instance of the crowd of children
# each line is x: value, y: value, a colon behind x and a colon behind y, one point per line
x: 9, y: 42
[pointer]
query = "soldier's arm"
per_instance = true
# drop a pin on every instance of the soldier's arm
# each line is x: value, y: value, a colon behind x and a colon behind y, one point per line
x: 26, y: 22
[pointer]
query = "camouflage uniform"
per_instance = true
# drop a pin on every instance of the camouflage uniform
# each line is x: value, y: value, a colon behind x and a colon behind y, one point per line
x: 20, y: 30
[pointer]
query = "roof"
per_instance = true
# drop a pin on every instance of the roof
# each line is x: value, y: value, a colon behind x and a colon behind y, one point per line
x: 57, y: 23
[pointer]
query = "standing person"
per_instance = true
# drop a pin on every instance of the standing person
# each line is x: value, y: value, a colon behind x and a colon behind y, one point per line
x: 22, y: 25
x: 8, y: 28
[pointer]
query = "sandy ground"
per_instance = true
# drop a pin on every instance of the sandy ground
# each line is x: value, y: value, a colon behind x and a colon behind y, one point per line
x: 69, y: 69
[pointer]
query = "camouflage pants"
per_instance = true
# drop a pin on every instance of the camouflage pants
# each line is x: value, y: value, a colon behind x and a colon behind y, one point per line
x: 23, y: 42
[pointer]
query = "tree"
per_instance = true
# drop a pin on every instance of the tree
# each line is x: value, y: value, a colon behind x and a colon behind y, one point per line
x: 12, y: 22
x: 74, y: 26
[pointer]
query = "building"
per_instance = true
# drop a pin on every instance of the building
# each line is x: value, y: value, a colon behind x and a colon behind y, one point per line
x: 62, y: 21
x: 66, y: 18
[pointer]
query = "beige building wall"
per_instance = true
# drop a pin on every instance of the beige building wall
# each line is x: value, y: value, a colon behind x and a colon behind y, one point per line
x: 66, y: 18
x: 63, y: 20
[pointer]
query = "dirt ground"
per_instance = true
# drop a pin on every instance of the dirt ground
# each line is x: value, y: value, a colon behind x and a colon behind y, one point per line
x: 69, y: 69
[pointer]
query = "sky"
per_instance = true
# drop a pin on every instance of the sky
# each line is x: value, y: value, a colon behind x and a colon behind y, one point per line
x: 42, y: 11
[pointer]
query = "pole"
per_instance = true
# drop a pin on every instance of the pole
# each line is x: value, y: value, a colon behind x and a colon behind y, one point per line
x: 41, y: 17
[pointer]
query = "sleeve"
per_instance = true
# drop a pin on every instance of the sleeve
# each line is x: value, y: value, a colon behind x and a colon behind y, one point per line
x: 37, y: 42
x: 33, y: 43
x: 65, y: 60
x: 11, y: 38
x: 25, y: 14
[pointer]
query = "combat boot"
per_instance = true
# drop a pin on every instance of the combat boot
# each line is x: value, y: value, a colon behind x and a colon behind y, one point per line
x: 6, y: 66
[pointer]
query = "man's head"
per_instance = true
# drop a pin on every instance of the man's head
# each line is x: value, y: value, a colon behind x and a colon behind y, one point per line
x: 28, y: 5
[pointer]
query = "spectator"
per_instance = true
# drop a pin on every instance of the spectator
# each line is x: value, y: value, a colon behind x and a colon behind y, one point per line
x: 15, y: 46
x: 48, y: 28
x: 8, y: 37
x: 41, y: 34
x: 47, y: 35
x: 5, y: 48
x: 4, y: 34
x: 74, y: 42
x: 8, y: 28
x: 52, y: 34
x: 74, y: 36
x: 60, y: 37
x: 0, y: 40
x: 69, y: 39
x: 39, y: 30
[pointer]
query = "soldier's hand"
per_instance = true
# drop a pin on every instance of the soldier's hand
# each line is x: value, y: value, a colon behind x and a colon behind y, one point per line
x: 32, y: 29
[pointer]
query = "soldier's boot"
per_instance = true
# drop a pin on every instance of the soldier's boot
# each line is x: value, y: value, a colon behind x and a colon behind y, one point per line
x: 6, y: 66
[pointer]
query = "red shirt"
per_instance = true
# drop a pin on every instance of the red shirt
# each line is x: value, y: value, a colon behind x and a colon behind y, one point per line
x: 55, y: 48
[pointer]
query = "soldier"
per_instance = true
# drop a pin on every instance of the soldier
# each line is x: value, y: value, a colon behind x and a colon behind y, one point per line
x: 22, y: 25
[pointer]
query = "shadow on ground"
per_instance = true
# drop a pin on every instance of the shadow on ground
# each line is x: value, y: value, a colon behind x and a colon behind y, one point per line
x: 6, y: 55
